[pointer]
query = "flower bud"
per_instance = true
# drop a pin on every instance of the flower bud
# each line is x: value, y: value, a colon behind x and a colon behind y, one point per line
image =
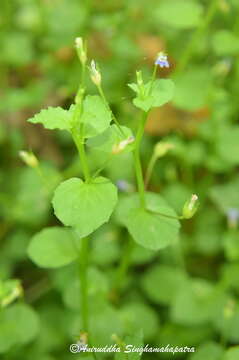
x: 28, y: 158
x: 139, y: 78
x: 190, y: 207
x: 161, y: 149
x: 95, y: 73
x: 9, y: 292
x: 118, y: 148
x: 81, y: 50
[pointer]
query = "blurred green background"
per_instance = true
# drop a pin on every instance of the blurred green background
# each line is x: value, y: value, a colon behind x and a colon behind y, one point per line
x: 181, y: 297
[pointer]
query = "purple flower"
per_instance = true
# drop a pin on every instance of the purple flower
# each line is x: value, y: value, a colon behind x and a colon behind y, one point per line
x: 162, y: 60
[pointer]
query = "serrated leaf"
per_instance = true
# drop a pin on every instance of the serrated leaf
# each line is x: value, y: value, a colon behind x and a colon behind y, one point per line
x: 86, y: 206
x: 160, y: 93
x: 18, y: 326
x: 148, y: 229
x: 53, y: 247
x: 53, y: 118
x: 96, y: 117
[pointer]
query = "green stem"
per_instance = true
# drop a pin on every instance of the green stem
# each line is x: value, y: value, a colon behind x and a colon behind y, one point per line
x: 150, y: 169
x: 165, y: 215
x: 137, y: 161
x: 83, y: 158
x: 101, y: 92
x: 124, y: 264
x: 83, y: 264
x: 187, y: 54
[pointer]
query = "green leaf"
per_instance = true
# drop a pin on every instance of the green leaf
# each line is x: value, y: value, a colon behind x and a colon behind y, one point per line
x: 53, y: 118
x: 180, y: 14
x: 10, y: 290
x: 98, y: 287
x: 105, y: 246
x: 18, y: 326
x: 86, y: 206
x: 162, y: 91
x: 223, y: 195
x: 141, y: 256
x: 168, y: 278
x: 101, y: 326
x: 148, y: 229
x: 53, y: 247
x: 187, y: 95
x: 134, y: 340
x: 227, y: 144
x: 209, y: 350
x: 193, y: 303
x: 111, y: 137
x: 231, y: 245
x: 231, y: 354
x: 95, y: 116
x: 226, y: 318
x: 139, y: 316
x: 175, y: 334
x: 224, y: 42
x: 208, y: 242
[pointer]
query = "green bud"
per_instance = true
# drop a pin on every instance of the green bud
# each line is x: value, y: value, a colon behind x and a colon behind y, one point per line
x: 28, y: 158
x: 161, y: 149
x: 139, y: 78
x: 10, y: 290
x: 118, y: 148
x: 95, y: 73
x: 81, y: 50
x: 190, y: 207
x: 140, y: 83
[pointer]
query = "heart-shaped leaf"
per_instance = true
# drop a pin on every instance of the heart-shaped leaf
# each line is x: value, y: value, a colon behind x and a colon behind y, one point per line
x: 85, y: 206
x: 147, y: 227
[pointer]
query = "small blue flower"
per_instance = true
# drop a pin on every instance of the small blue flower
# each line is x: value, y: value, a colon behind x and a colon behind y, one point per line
x: 162, y: 60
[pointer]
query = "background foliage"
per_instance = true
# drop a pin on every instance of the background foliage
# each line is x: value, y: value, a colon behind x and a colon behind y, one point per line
x: 181, y: 296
